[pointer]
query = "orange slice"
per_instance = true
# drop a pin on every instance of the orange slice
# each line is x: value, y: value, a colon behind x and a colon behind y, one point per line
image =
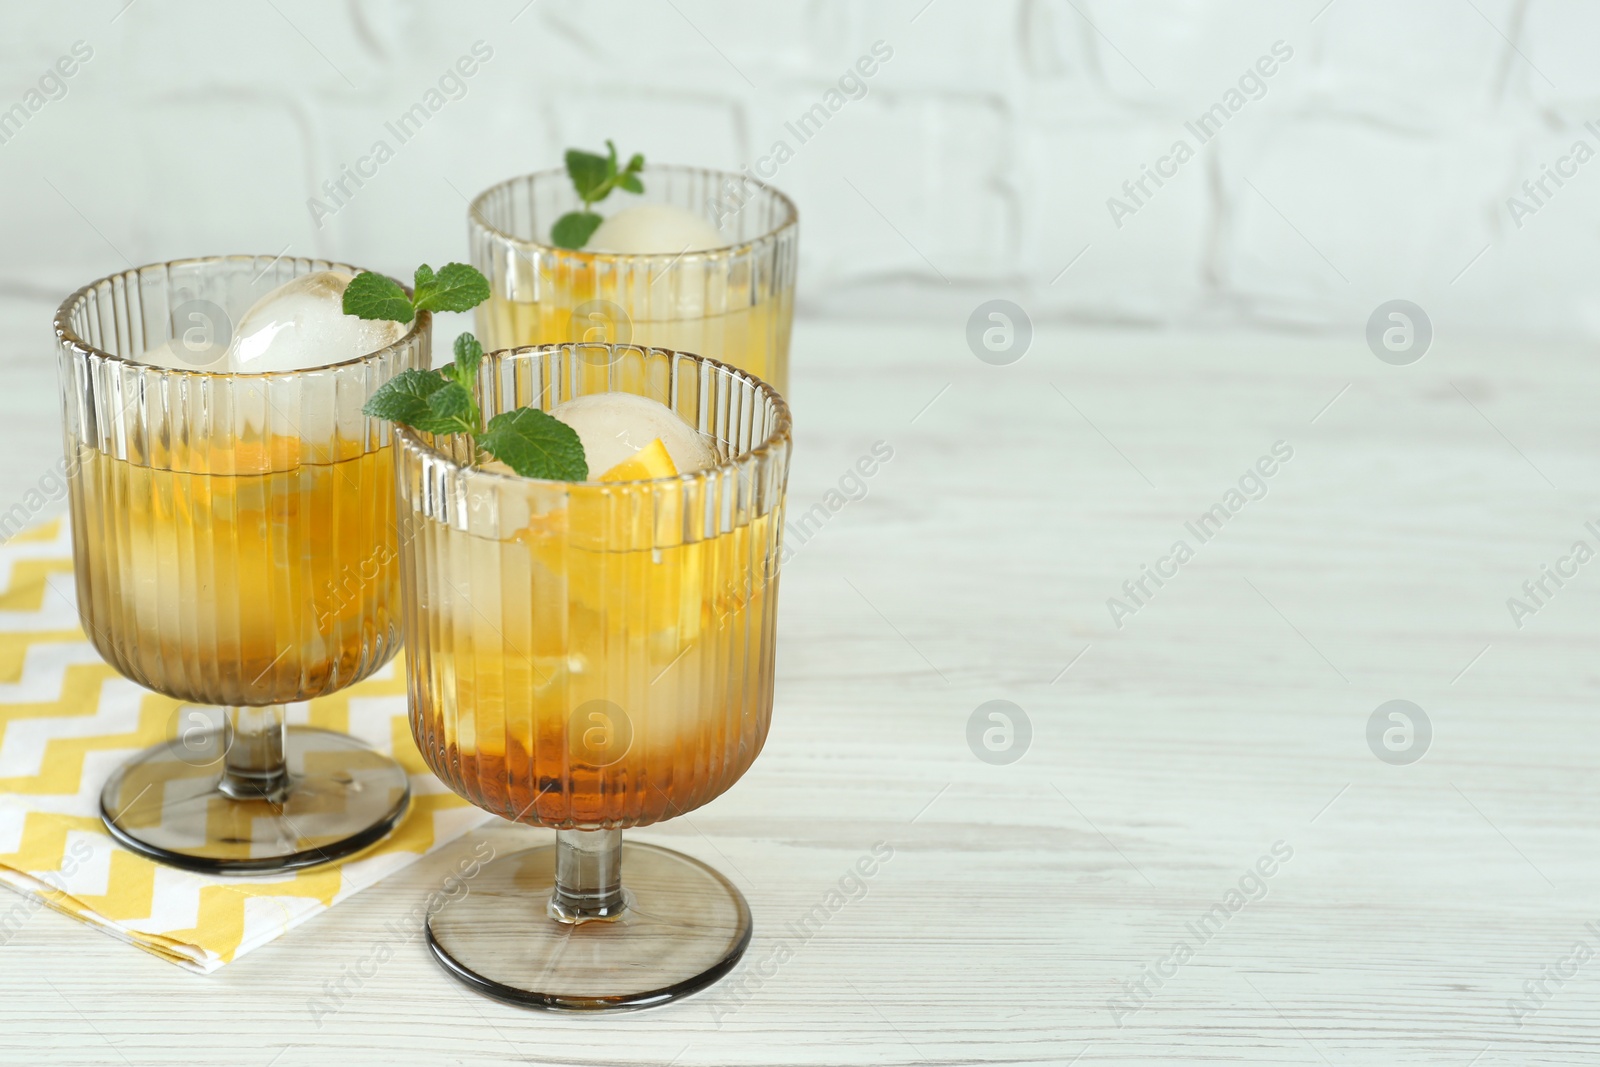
x: 651, y: 461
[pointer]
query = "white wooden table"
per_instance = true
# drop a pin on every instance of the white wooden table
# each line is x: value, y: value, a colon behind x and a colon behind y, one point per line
x: 1229, y: 713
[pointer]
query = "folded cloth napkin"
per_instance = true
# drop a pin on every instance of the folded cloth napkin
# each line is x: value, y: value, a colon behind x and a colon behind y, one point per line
x: 67, y: 720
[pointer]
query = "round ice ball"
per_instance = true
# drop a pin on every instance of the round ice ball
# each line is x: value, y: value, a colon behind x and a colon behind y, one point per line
x: 613, y: 426
x: 655, y: 229
x: 301, y: 324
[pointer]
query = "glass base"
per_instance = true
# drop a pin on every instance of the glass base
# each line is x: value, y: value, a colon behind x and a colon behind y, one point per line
x: 341, y: 797
x: 683, y: 927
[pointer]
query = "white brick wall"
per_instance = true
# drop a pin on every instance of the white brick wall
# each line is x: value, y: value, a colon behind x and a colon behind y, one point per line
x: 1377, y: 164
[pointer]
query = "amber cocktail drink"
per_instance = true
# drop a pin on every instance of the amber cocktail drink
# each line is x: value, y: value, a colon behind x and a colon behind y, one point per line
x: 594, y: 656
x: 235, y: 546
x: 734, y: 302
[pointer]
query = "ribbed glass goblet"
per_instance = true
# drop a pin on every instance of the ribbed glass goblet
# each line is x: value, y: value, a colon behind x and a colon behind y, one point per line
x: 235, y: 547
x: 594, y: 656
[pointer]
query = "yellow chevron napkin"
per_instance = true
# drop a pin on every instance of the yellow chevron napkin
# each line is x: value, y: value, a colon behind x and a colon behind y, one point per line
x: 67, y: 720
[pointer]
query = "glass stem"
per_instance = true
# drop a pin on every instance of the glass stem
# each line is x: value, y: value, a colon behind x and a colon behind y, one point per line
x: 588, y: 876
x: 254, y: 767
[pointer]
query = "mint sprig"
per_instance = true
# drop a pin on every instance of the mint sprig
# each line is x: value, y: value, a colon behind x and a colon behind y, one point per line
x: 593, y: 176
x: 456, y: 287
x: 531, y: 442
x: 443, y: 401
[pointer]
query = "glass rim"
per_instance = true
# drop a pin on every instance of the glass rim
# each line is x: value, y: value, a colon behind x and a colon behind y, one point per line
x: 790, y: 221
x: 68, y: 337
x: 780, y: 435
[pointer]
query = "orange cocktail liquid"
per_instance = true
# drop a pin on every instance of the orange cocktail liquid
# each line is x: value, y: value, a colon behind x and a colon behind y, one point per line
x: 591, y: 678
x: 710, y: 310
x: 250, y: 577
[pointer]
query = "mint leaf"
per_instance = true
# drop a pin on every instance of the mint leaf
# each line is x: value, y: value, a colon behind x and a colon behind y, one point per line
x: 636, y: 164
x: 457, y: 287
x: 469, y: 353
x: 375, y: 296
x: 630, y: 183
x: 450, y: 410
x: 588, y: 172
x: 404, y: 398
x: 423, y: 279
x: 535, y: 444
x: 574, y: 229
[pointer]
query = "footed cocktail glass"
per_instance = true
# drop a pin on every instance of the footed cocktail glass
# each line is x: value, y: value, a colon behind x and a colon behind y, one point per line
x: 734, y: 303
x: 593, y: 656
x: 234, y: 539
